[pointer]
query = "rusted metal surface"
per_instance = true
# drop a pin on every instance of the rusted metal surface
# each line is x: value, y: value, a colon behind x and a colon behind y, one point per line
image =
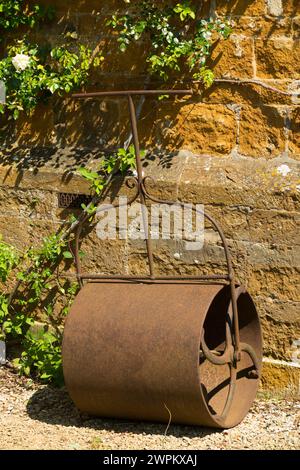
x: 95, y: 94
x: 161, y: 347
x: 132, y: 350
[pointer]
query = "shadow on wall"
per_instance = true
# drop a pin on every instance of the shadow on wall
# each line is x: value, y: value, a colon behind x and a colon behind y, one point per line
x: 73, y: 132
x: 66, y: 133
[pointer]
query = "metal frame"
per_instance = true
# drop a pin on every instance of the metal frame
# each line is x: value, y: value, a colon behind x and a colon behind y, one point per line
x: 233, y: 348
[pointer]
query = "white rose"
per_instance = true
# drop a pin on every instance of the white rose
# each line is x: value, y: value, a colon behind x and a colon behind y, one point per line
x: 283, y: 170
x: 21, y: 61
x: 207, y: 35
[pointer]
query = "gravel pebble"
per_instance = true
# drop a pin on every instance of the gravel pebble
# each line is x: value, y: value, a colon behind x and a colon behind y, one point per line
x: 41, y: 417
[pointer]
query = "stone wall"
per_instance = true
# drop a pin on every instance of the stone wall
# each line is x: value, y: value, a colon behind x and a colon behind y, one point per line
x: 234, y: 148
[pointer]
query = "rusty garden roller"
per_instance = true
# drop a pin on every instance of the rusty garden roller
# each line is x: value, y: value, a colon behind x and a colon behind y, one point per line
x: 181, y: 349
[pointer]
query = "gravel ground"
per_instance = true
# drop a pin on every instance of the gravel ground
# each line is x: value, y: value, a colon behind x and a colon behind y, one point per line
x: 41, y: 417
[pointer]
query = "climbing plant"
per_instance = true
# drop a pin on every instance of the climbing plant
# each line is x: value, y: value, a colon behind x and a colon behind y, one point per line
x: 31, y: 73
x: 14, y: 13
x: 177, y: 37
x: 40, y: 347
x: 40, y: 290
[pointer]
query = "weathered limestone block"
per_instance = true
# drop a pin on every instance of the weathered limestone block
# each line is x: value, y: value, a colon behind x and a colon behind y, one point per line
x: 234, y: 57
x: 15, y: 230
x: 278, y: 58
x: 46, y: 179
x: 283, y: 7
x: 248, y: 94
x: 233, y: 219
x: 91, y: 124
x: 281, y: 329
x: 276, y: 282
x: 280, y: 380
x: 103, y: 256
x: 38, y: 230
x: 262, y: 132
x: 273, y: 226
x: 294, y: 142
x: 278, y: 338
x: 240, y: 182
x: 35, y: 131
x: 279, y: 311
x: 264, y: 27
x: 241, y: 7
x: 27, y: 204
x: 266, y: 256
x: 296, y: 27
x: 275, y: 7
x: 202, y: 129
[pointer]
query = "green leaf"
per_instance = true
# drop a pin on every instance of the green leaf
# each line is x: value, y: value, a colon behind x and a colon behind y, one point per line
x: 54, y: 87
x: 16, y: 114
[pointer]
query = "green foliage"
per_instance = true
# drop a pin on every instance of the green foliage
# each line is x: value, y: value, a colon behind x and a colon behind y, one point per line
x: 41, y: 288
x: 15, y: 325
x: 127, y: 158
x: 40, y: 350
x: 206, y: 75
x: 184, y: 10
x: 42, y: 354
x: 176, y: 36
x: 14, y: 13
x: 41, y: 260
x: 96, y: 181
x: 8, y: 259
x: 123, y: 160
x: 32, y: 74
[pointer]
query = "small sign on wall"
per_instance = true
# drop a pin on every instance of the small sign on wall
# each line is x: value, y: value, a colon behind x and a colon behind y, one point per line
x: 2, y: 352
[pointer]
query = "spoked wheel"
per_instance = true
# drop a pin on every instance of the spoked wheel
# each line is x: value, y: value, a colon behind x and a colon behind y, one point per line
x: 229, y: 385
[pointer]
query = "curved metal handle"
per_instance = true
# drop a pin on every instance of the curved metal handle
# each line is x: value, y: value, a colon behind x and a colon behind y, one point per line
x: 143, y: 194
x: 133, y: 182
x: 230, y: 277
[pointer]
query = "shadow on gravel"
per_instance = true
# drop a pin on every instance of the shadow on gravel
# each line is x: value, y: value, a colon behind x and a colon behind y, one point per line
x: 54, y: 406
